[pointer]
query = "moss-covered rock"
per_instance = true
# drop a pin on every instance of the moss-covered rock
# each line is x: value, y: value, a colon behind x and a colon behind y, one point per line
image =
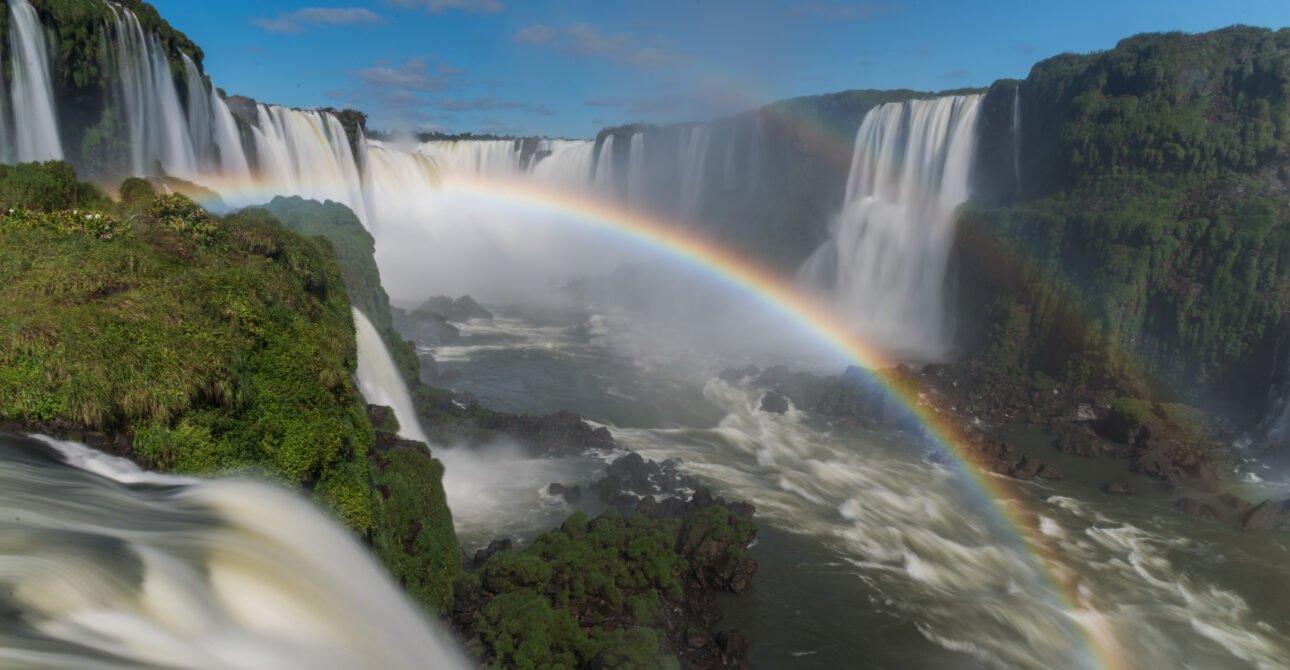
x: 355, y: 250
x: 210, y: 345
x: 412, y: 530
x: 613, y: 591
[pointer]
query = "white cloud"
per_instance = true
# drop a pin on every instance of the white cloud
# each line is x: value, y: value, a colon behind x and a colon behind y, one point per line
x: 295, y: 22
x: 535, y: 34
x: 584, y: 41
x: 440, y: 6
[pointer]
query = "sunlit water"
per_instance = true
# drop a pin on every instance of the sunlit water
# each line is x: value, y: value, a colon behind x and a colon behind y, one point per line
x: 870, y: 555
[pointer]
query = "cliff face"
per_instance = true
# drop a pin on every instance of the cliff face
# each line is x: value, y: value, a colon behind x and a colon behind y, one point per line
x: 1130, y: 217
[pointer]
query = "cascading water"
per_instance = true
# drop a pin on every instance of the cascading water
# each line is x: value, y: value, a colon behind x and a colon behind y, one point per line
x: 158, y: 131
x: 492, y: 157
x: 35, y: 117
x: 380, y: 381
x: 1016, y: 140
x: 604, y: 177
x: 637, y: 186
x: 885, y: 263
x: 103, y: 565
x: 307, y: 153
x: 566, y: 163
x: 694, y: 156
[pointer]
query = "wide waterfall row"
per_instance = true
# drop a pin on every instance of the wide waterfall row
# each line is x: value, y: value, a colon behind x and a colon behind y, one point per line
x: 885, y: 262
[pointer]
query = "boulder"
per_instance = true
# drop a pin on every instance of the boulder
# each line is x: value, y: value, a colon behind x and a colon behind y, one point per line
x: 1266, y: 516
x: 571, y: 494
x: 461, y: 310
x: 1118, y: 487
x: 774, y: 403
x: 494, y: 547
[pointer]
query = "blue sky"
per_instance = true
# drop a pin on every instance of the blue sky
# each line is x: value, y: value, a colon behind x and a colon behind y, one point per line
x: 569, y: 68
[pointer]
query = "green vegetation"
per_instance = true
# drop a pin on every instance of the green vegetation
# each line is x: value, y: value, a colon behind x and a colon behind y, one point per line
x: 413, y: 533
x: 81, y: 29
x: 1152, y: 218
x: 355, y: 250
x: 595, y: 593
x: 218, y: 345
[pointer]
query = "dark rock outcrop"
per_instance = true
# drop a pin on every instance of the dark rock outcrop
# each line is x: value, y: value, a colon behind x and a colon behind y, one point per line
x: 1118, y: 487
x: 632, y: 477
x: 482, y: 555
x: 461, y: 310
x: 424, y: 328
x: 571, y: 494
x: 774, y: 403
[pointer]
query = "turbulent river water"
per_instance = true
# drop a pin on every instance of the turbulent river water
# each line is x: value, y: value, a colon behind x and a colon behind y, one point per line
x: 872, y: 556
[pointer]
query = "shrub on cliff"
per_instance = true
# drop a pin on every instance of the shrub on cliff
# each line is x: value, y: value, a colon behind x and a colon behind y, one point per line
x: 609, y: 591
x: 212, y: 345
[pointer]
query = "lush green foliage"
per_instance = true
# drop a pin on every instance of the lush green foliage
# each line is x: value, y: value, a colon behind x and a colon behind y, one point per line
x: 82, y: 39
x: 218, y: 345
x: 1151, y: 219
x: 355, y: 250
x: 595, y: 592
x: 412, y: 530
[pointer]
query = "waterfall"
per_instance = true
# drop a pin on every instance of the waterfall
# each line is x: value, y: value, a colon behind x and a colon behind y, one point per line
x: 158, y: 128
x: 885, y: 263
x: 566, y: 163
x: 604, y: 177
x: 380, y: 380
x: 491, y: 157
x: 1016, y: 139
x: 35, y: 118
x: 200, y: 121
x: 103, y: 565
x: 307, y: 153
x: 694, y: 156
x: 637, y: 188
x: 233, y: 164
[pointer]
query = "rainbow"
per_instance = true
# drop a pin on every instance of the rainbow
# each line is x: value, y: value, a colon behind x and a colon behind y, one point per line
x: 683, y: 244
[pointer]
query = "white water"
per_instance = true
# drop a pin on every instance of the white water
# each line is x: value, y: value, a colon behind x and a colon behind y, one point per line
x: 108, y: 566
x: 604, y: 177
x: 380, y: 380
x: 34, y: 114
x: 885, y: 263
x: 490, y: 157
x: 568, y: 164
x: 909, y: 530
x: 1016, y: 140
x: 694, y: 156
x: 157, y: 127
x: 637, y: 186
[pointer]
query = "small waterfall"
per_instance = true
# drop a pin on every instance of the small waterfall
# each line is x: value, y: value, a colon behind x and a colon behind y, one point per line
x: 491, y: 157
x: 200, y: 121
x: 567, y: 163
x: 233, y: 164
x: 103, y: 565
x: 35, y: 117
x: 1016, y: 139
x: 380, y: 380
x: 604, y: 179
x: 158, y: 127
x: 694, y: 156
x: 885, y: 264
x: 307, y: 153
x: 637, y: 186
